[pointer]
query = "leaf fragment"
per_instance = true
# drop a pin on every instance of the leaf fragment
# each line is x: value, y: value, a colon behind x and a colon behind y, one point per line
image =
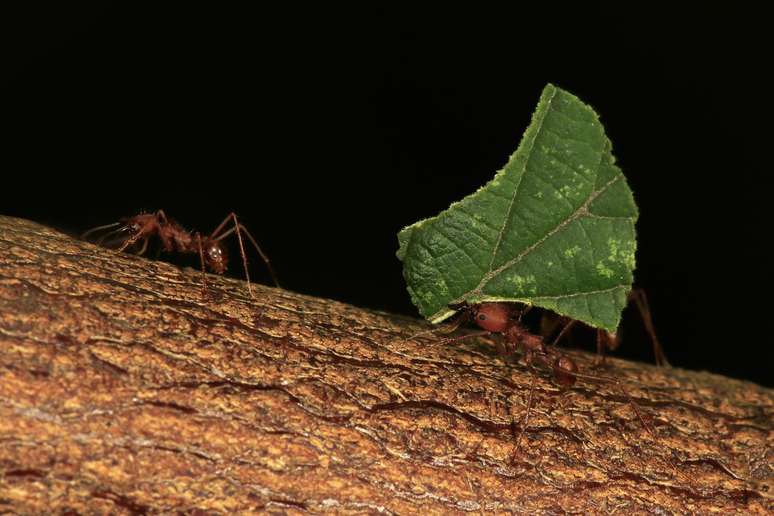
x: 554, y: 228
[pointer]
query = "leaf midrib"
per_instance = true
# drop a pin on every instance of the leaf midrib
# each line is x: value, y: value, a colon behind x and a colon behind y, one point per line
x: 516, y: 189
x: 581, y: 211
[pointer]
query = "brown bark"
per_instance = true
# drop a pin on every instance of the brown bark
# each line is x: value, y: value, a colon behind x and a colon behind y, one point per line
x: 124, y: 388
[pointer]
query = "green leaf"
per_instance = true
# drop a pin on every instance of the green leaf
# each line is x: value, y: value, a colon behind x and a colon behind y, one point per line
x: 554, y: 228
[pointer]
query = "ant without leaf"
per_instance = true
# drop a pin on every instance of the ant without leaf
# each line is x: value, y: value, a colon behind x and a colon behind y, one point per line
x: 504, y: 319
x: 175, y: 238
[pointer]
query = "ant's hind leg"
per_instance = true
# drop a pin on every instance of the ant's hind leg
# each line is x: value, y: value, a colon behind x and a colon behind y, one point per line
x: 604, y: 342
x: 641, y: 300
x: 239, y: 228
x: 201, y: 257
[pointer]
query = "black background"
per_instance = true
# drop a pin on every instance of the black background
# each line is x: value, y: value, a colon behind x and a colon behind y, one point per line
x: 328, y: 130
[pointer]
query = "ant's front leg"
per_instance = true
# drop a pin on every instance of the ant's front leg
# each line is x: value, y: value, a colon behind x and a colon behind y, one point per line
x: 133, y: 240
x: 451, y: 340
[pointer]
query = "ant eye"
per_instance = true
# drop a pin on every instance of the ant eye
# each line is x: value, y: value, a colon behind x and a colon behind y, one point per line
x: 481, y: 317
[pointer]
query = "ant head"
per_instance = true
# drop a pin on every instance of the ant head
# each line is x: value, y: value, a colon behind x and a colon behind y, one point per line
x: 215, y: 257
x: 564, y: 371
x: 137, y: 224
x: 132, y: 226
x: 494, y: 317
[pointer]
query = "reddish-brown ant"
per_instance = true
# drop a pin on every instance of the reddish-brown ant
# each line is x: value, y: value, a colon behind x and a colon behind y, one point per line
x: 175, y: 238
x: 504, y: 319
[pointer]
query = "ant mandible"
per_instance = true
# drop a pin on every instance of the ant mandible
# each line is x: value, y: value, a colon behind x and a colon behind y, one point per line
x: 504, y: 319
x: 175, y: 238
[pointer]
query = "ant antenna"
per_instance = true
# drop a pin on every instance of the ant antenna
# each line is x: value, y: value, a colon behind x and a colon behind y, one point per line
x: 462, y: 315
x: 201, y: 257
x: 100, y: 228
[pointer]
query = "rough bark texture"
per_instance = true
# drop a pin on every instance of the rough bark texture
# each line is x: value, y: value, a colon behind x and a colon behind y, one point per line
x: 125, y: 389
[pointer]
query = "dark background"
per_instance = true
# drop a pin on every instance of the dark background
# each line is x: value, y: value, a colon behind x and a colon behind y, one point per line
x: 329, y: 130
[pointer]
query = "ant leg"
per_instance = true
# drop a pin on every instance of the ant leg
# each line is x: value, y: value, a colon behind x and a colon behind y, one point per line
x: 631, y: 402
x: 143, y: 248
x: 239, y: 228
x: 131, y: 241
x: 201, y: 257
x: 525, y: 419
x: 264, y: 257
x: 602, y: 345
x: 636, y: 409
x: 566, y: 328
x: 449, y: 340
x: 548, y: 323
x: 216, y: 238
x: 641, y: 300
x: 502, y: 350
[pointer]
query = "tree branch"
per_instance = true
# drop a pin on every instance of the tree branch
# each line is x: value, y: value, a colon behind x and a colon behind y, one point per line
x: 125, y: 388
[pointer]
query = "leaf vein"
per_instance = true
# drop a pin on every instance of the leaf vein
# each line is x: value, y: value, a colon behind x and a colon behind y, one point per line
x: 581, y: 211
x: 586, y: 293
x: 521, y: 178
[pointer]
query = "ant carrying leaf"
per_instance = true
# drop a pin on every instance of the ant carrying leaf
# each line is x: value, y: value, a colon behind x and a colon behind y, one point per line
x: 554, y: 229
x: 503, y: 320
x: 139, y: 229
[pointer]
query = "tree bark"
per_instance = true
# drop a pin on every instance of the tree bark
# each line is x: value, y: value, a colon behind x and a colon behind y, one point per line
x: 127, y: 388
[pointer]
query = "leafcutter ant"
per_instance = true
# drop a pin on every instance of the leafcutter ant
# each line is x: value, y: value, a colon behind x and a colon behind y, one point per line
x: 504, y: 319
x: 139, y: 229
